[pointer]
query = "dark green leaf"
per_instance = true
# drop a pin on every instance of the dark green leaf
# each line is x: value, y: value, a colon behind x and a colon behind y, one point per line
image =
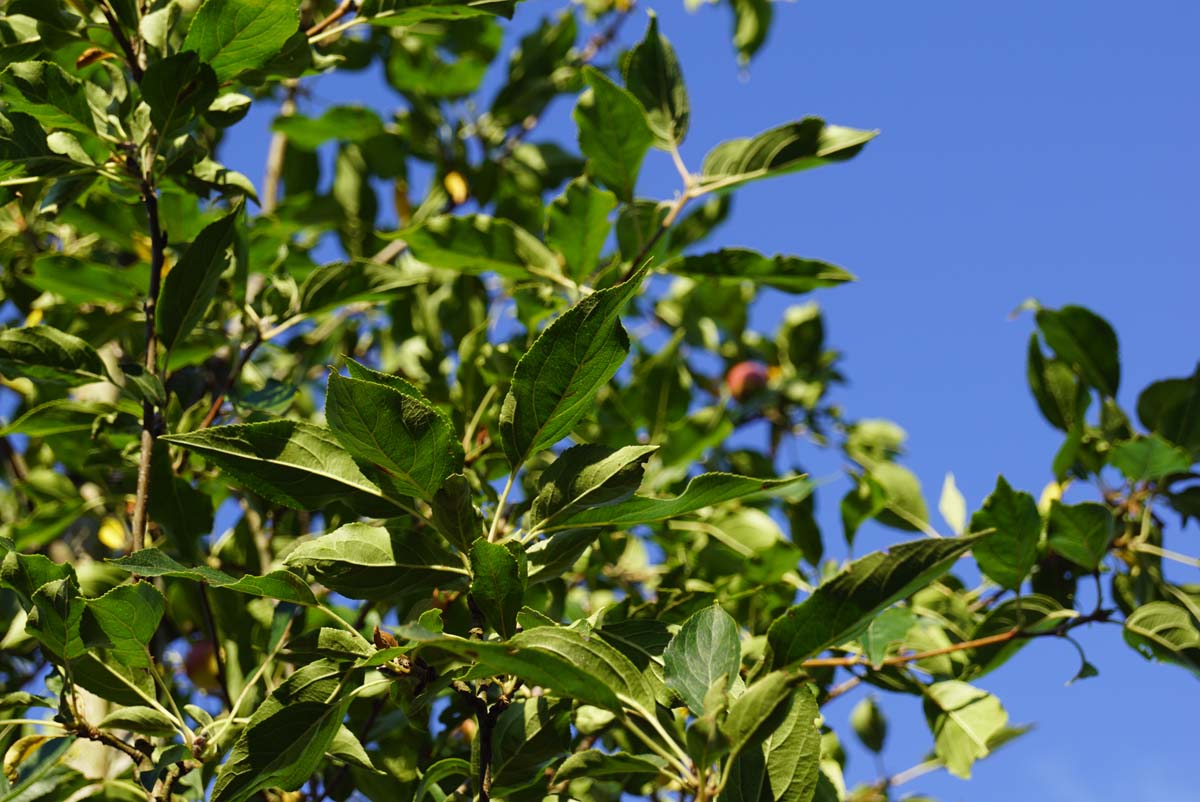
x: 454, y: 513
x: 341, y: 283
x: 755, y: 714
x: 1061, y: 395
x: 1032, y: 613
x: 287, y: 737
x: 558, y: 377
x: 1080, y: 532
x: 788, y: 148
x: 848, y: 601
x: 499, y: 574
x: 752, y: 21
x: 1086, y: 342
x: 586, y: 476
x: 290, y: 462
x: 869, y: 724
x: 43, y: 90
x: 1171, y: 408
x: 653, y: 76
x: 190, y: 285
x: 45, y: 354
x: 787, y: 273
x: 123, y: 621
x: 613, y: 133
x: 594, y: 763
x: 706, y: 649
x: 397, y: 431
x: 1008, y: 555
x: 62, y: 416
x: 233, y: 36
x: 177, y: 89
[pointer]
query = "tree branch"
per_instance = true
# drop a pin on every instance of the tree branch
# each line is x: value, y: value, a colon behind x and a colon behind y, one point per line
x: 277, y: 150
x: 158, y: 248
x: 131, y: 56
x: 344, y: 8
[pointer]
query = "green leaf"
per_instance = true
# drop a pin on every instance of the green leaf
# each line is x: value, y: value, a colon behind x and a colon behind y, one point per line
x: 706, y: 649
x: 140, y: 719
x: 1166, y: 632
x: 868, y: 724
x: 478, y: 244
x: 587, y: 476
x: 964, y: 721
x: 177, y: 89
x: 233, y: 36
x: 43, y: 90
x: 1148, y: 458
x: 123, y: 621
x: 56, y: 618
x: 557, y: 379
x: 903, y: 502
x: 189, y: 287
x: 287, y: 736
x: 61, y: 416
x: 755, y: 714
x: 1062, y: 396
x: 293, y: 463
x: 80, y: 281
x: 282, y: 585
x: 49, y: 355
x: 446, y: 767
x: 454, y: 513
x: 1008, y: 555
x: 848, y: 601
x: 577, y: 226
x: 885, y: 629
x: 705, y: 490
x: 1171, y: 408
x: 407, y: 12
x: 653, y: 76
x: 341, y: 283
x: 594, y: 763
x: 528, y: 736
x: 787, y: 273
x: 373, y: 562
x: 1086, y: 342
x: 1080, y: 532
x: 795, y: 146
x: 614, y: 134
x: 499, y: 574
x: 341, y: 123
x: 1032, y: 613
x: 786, y: 767
x: 397, y: 431
x: 752, y: 21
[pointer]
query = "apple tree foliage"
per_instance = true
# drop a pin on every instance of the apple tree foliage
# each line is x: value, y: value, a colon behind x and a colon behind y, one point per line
x: 501, y: 507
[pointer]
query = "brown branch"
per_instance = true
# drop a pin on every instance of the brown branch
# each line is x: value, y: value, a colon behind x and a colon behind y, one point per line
x: 158, y: 249
x: 277, y: 150
x: 131, y: 56
x: 243, y: 358
x: 16, y: 462
x: 344, y: 8
x: 84, y: 730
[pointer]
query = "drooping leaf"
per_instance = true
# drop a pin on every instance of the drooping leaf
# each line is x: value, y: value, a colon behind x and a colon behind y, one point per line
x: 293, y: 463
x: 399, y: 432
x: 45, y: 91
x: 965, y: 721
x: 61, y: 416
x: 1166, y: 632
x: 706, y: 648
x: 787, y: 273
x: 868, y: 724
x: 653, y: 76
x: 372, y: 562
x: 586, y: 476
x: 454, y: 513
x: 189, y: 287
x: 49, y: 355
x: 123, y: 621
x: 233, y: 36
x: 1061, y: 396
x: 140, y: 719
x: 1148, y: 458
x: 795, y: 146
x: 705, y: 490
x: 1080, y: 532
x: 557, y: 378
x: 1009, y: 554
x: 755, y: 714
x: 282, y: 585
x: 613, y: 133
x: 479, y: 244
x: 577, y: 226
x: 287, y: 736
x: 1171, y: 408
x: 499, y: 574
x: 177, y: 89
x: 1086, y: 342
x: 847, y: 602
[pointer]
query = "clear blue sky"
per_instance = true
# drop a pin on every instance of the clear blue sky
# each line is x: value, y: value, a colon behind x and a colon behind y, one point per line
x: 1029, y: 149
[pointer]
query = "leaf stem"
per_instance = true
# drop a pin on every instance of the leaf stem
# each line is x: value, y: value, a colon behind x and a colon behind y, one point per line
x: 1167, y: 554
x: 508, y: 486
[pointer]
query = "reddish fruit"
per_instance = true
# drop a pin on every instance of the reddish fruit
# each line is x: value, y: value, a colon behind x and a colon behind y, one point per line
x: 745, y: 379
x: 201, y: 665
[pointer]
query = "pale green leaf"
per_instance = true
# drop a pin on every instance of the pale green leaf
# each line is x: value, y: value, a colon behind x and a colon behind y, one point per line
x: 233, y: 36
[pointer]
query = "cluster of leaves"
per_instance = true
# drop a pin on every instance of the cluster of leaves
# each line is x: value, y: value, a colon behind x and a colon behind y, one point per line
x: 482, y: 541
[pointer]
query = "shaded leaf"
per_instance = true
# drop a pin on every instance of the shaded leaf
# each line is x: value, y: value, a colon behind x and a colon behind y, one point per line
x: 45, y: 354
x: 594, y: 763
x: 1086, y: 342
x: 577, y: 226
x: 787, y: 273
x: 653, y: 76
x: 587, y: 476
x: 177, y: 89
x: 43, y: 90
x: 795, y: 146
x: 499, y: 574
x: 1148, y: 458
x: 1010, y: 552
x: 1080, y: 532
x: 614, y: 134
x: 191, y: 284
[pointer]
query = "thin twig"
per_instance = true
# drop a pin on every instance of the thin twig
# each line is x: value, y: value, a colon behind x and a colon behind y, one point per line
x: 277, y: 150
x: 344, y: 8
x: 243, y: 358
x: 131, y: 56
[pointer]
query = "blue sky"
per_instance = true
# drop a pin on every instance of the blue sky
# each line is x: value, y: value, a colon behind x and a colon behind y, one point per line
x: 1032, y: 149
